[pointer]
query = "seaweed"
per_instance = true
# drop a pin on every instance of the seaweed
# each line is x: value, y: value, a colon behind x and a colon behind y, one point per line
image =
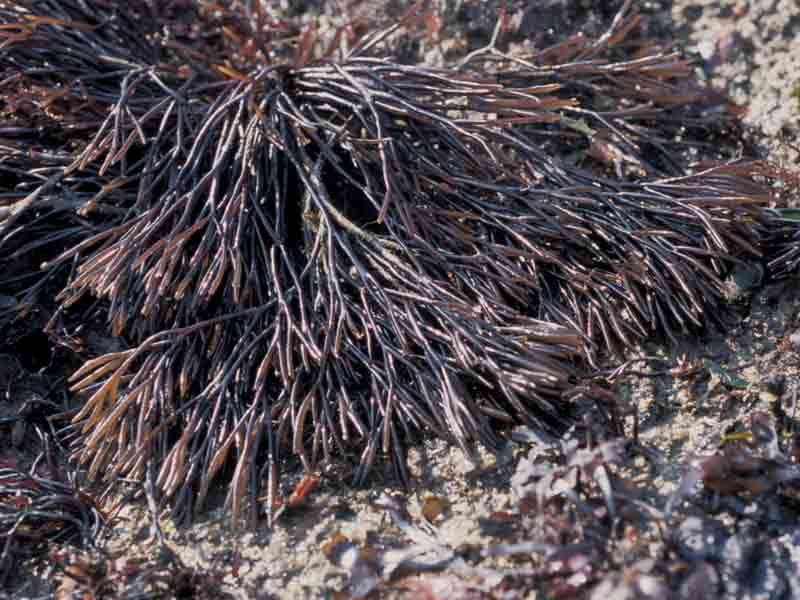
x: 37, y: 511
x: 323, y: 253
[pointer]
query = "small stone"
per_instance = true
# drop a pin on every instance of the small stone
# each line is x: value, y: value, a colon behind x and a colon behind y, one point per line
x: 700, y: 539
x: 706, y: 49
x: 794, y: 340
x: 767, y: 397
x: 652, y: 587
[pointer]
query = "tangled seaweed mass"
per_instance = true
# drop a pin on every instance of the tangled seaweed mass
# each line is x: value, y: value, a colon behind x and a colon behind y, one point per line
x: 320, y: 252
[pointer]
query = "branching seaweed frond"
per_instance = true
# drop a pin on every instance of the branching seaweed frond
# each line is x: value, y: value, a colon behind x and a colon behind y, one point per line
x: 324, y: 257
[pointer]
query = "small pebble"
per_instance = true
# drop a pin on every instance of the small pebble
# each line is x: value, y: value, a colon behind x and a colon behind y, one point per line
x: 700, y: 539
x: 794, y: 339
